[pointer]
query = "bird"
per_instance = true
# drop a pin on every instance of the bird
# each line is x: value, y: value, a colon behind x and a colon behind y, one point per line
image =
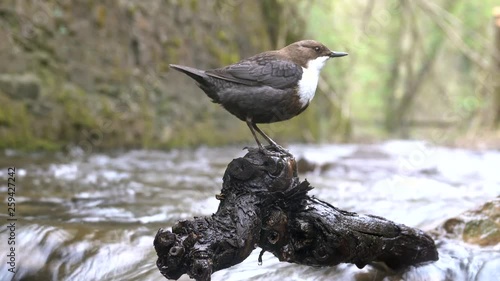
x: 268, y: 87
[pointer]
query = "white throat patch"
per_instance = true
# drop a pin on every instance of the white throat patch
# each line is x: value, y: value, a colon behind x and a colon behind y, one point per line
x: 309, y: 80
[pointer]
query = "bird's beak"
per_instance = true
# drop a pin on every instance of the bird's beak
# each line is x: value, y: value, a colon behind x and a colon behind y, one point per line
x: 337, y: 54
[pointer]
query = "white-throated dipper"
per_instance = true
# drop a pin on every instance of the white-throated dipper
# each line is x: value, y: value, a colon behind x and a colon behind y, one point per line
x: 268, y: 87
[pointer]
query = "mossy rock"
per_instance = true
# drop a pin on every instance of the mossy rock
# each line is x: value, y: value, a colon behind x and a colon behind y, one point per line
x: 480, y: 226
x: 26, y: 86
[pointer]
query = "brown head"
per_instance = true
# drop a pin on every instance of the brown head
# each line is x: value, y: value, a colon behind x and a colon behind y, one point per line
x: 302, y: 52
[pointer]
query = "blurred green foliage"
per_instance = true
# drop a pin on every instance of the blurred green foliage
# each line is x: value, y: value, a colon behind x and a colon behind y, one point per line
x: 414, y: 66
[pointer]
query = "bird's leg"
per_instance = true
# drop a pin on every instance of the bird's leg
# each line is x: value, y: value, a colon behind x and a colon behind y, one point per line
x: 270, y: 141
x: 250, y: 125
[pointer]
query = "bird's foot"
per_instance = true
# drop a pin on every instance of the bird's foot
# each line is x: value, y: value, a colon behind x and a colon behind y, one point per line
x: 261, y: 149
x: 271, y: 150
x: 275, y: 150
x: 279, y: 149
x: 266, y: 151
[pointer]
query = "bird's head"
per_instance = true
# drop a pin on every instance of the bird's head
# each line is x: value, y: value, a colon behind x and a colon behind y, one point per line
x: 310, y: 53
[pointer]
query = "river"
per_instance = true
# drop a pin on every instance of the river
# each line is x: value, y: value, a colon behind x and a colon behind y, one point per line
x: 94, y: 217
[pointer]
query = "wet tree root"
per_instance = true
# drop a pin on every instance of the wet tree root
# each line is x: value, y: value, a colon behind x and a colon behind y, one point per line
x: 264, y: 204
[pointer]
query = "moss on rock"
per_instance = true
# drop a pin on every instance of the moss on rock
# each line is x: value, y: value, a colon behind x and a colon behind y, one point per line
x: 480, y: 226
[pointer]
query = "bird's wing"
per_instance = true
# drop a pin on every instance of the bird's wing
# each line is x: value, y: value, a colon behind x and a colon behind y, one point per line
x: 266, y: 70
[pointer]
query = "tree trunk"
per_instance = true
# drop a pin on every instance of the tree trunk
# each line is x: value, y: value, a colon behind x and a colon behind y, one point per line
x: 263, y: 203
x: 496, y: 67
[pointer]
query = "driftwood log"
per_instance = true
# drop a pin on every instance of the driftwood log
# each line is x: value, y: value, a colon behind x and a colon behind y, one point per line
x: 264, y: 204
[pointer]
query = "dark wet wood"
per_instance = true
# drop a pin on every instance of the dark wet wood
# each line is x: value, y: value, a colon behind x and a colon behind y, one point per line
x: 264, y: 204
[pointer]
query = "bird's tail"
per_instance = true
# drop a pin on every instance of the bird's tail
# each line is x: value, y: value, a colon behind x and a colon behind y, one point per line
x: 196, y: 74
x: 200, y: 77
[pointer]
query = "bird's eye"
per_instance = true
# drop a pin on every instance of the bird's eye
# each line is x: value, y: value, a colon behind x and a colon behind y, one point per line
x: 317, y: 49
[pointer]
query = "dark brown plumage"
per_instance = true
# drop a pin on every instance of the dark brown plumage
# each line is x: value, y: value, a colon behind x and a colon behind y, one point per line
x: 268, y: 87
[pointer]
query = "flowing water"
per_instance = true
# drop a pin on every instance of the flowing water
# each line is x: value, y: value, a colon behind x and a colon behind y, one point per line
x: 94, y: 217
